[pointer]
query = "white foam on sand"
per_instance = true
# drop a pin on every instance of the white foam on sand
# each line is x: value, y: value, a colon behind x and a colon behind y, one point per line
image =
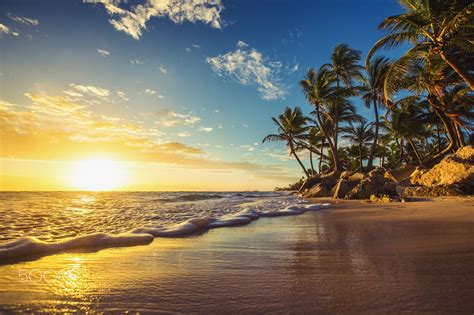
x: 29, y: 246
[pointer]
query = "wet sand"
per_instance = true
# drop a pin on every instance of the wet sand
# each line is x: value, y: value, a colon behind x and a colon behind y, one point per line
x: 354, y: 257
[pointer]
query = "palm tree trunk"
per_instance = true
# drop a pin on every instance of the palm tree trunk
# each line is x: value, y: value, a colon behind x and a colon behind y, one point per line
x: 361, y: 166
x: 335, y: 157
x: 376, y: 136
x: 320, y: 163
x: 448, y: 127
x: 311, y: 162
x: 413, y: 146
x: 459, y: 135
x: 463, y: 74
x: 336, y: 119
x: 292, y: 149
x: 401, y: 151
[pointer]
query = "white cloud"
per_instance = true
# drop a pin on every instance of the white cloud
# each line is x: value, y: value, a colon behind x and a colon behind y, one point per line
x: 163, y: 69
x: 169, y: 118
x: 183, y: 134
x: 91, y: 90
x: 188, y: 49
x: 150, y: 92
x: 72, y: 93
x: 136, y: 62
x: 122, y: 96
x: 7, y: 31
x: 196, y: 46
x: 250, y: 67
x: 103, y: 52
x: 242, y: 44
x: 24, y: 20
x: 205, y: 129
x: 134, y: 21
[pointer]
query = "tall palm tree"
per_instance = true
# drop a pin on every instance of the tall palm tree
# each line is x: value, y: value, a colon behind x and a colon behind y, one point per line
x: 318, y: 89
x: 439, y: 27
x: 292, y: 129
x: 372, y: 93
x: 359, y: 135
x: 345, y: 67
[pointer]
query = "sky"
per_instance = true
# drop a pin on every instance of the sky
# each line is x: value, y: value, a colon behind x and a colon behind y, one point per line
x: 178, y: 93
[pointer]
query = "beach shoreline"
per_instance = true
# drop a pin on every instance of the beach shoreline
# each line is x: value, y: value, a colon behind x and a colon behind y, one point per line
x: 353, y: 257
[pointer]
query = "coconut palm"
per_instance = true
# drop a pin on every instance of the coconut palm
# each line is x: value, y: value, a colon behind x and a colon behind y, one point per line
x: 372, y: 94
x: 345, y: 67
x: 318, y: 89
x: 292, y: 129
x: 359, y: 135
x: 436, y: 27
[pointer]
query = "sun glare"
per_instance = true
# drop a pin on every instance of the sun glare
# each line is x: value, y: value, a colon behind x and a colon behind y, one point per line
x: 98, y: 174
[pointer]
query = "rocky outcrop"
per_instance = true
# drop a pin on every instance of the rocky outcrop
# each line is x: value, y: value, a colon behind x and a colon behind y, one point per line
x: 453, y: 176
x: 457, y: 168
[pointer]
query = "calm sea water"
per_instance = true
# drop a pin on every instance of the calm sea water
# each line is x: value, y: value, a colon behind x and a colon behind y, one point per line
x: 52, y: 216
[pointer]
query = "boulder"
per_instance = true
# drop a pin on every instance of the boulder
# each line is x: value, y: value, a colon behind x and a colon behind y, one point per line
x: 330, y: 179
x: 310, y: 182
x: 403, y: 172
x: 366, y: 187
x: 389, y: 176
x: 318, y: 190
x: 435, y: 191
x: 357, y: 176
x: 390, y: 188
x: 346, y: 174
x: 342, y: 188
x: 457, y: 168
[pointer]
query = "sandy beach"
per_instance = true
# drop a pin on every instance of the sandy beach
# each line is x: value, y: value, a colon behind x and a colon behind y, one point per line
x: 354, y: 257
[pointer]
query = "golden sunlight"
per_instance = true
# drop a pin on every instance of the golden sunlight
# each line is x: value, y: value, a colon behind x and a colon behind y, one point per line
x: 98, y: 174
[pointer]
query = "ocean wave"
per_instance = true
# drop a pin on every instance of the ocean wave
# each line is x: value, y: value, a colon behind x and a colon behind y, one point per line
x: 190, y: 197
x: 31, y: 246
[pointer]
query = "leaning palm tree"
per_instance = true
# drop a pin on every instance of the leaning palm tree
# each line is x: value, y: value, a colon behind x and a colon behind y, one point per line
x: 436, y: 27
x: 318, y: 89
x: 372, y: 93
x: 292, y: 129
x: 359, y: 135
x: 345, y: 67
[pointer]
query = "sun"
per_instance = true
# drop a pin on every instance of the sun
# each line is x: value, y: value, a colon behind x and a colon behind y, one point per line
x: 98, y: 174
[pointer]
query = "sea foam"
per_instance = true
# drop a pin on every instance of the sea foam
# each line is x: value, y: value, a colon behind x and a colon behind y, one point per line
x: 30, y: 246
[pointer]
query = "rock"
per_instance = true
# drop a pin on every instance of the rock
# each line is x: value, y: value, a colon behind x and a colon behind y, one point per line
x: 415, y: 176
x: 367, y: 187
x: 403, y: 172
x: 390, y: 188
x: 435, y: 191
x: 389, y: 176
x: 346, y: 174
x: 356, y: 176
x: 342, y: 188
x: 385, y: 198
x: 310, y: 182
x: 457, y: 168
x: 378, y: 171
x: 330, y: 179
x: 466, y: 153
x: 318, y: 190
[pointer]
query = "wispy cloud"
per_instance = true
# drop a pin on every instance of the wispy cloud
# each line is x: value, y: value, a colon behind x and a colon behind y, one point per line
x: 5, y: 30
x: 103, y: 52
x: 169, y: 118
x: 153, y: 93
x: 91, y: 90
x: 136, y: 62
x: 242, y: 44
x: 24, y: 20
x: 250, y: 67
x: 163, y: 69
x: 122, y: 96
x: 134, y: 20
x: 205, y: 129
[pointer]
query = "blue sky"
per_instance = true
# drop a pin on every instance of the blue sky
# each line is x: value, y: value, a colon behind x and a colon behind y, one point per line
x: 207, y: 75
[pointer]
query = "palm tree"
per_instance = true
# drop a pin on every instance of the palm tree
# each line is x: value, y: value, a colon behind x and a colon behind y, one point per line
x: 359, y: 135
x: 406, y: 123
x: 319, y: 91
x: 345, y: 67
x: 436, y: 27
x: 292, y: 129
x: 372, y: 93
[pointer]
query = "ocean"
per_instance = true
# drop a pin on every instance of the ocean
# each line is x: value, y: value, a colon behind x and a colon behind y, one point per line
x: 41, y: 222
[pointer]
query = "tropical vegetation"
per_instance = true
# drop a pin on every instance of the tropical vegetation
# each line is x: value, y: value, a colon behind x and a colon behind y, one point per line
x: 421, y: 104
